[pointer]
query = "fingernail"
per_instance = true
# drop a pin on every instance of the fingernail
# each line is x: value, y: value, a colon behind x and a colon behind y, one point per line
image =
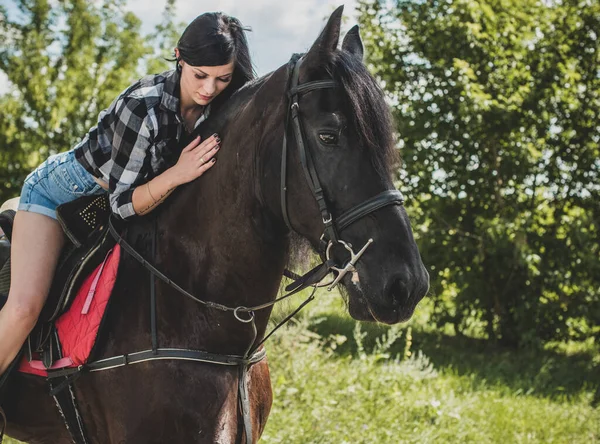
x: 213, y: 160
x: 215, y: 135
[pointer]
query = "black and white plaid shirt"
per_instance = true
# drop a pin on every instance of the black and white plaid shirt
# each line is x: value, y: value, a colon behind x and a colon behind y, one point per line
x: 136, y: 138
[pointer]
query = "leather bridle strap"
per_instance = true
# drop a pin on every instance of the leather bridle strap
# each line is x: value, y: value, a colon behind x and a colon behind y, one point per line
x: 390, y: 197
x: 331, y: 227
x: 311, y: 86
x: 306, y: 159
x: 293, y: 117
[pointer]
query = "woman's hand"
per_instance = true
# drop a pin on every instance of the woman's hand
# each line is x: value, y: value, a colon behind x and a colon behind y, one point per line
x: 195, y: 159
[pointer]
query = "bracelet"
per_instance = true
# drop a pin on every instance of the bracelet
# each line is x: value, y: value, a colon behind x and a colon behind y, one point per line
x: 149, y: 192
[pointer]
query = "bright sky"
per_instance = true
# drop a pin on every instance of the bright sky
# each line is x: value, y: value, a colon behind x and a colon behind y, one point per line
x: 279, y: 28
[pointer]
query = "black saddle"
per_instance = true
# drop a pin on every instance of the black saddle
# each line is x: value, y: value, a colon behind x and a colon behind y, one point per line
x: 85, y: 223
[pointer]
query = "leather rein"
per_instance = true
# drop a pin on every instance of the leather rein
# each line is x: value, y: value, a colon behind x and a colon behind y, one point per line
x: 313, y: 278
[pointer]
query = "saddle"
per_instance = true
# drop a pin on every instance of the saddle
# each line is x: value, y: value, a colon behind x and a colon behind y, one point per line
x: 85, y: 223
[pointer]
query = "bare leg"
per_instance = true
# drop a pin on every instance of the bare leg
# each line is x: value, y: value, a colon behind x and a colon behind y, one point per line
x: 36, y: 244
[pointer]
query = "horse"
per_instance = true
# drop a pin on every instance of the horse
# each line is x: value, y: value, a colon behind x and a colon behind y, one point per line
x: 226, y: 238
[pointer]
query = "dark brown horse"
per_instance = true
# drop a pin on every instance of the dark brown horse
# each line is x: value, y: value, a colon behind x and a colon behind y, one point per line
x: 224, y: 238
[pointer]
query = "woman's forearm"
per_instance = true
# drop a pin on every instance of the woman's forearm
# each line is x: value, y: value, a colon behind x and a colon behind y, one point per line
x: 148, y: 196
x: 195, y: 159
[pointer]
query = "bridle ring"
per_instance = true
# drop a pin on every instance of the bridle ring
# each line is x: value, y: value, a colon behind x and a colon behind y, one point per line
x: 237, y: 316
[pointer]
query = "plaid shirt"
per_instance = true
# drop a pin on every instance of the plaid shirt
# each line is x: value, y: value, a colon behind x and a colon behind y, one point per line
x: 136, y: 138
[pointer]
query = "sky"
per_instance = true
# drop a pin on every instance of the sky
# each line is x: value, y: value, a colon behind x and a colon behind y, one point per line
x: 279, y: 28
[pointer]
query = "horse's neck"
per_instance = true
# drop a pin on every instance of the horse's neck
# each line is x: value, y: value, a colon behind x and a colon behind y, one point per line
x: 219, y: 241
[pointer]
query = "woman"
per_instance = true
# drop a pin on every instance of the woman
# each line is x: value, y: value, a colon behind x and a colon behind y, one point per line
x: 128, y: 154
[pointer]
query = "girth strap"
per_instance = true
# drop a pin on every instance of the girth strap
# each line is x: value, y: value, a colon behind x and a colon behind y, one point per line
x: 68, y: 408
x: 244, y: 397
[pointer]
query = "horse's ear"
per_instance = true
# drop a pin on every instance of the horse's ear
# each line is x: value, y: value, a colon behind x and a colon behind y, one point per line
x: 327, y: 42
x: 353, y: 43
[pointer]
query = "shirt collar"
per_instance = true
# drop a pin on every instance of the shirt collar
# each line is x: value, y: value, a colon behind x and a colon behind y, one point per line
x: 170, y: 96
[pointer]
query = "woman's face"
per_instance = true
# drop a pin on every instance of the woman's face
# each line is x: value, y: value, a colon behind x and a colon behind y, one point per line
x: 202, y: 84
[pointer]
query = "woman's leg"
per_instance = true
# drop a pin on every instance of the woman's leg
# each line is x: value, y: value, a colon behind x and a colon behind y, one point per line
x: 36, y: 244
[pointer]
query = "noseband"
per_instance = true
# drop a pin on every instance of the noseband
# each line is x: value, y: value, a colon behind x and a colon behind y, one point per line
x: 332, y: 226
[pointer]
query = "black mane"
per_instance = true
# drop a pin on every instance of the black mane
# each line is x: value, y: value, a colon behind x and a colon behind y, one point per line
x: 236, y: 102
x: 366, y: 100
x: 371, y: 113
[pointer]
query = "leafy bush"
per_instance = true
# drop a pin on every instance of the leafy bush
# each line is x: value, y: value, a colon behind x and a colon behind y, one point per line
x: 498, y: 110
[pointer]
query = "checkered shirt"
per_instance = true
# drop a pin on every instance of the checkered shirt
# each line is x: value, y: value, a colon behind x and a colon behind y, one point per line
x: 136, y: 138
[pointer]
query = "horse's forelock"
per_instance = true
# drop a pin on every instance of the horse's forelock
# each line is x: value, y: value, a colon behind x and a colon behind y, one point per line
x: 372, y: 116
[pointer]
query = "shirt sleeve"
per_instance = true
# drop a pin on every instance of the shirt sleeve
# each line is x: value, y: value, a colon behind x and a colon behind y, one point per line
x: 132, y: 137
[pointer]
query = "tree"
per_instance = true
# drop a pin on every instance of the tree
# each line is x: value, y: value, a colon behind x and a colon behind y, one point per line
x: 497, y: 104
x: 65, y: 62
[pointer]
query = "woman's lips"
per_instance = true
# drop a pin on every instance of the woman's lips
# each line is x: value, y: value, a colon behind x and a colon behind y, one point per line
x: 205, y: 97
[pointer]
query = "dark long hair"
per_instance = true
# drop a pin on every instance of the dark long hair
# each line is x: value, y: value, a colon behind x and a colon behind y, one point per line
x: 215, y: 39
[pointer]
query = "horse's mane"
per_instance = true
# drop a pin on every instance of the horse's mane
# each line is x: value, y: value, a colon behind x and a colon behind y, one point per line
x: 237, y: 100
x: 366, y: 102
x: 365, y: 98
x: 372, y: 117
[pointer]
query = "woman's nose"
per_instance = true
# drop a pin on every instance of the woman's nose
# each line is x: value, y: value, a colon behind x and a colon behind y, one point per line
x: 209, y: 87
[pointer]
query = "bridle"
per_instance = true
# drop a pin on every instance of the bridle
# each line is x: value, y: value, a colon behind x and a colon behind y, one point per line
x: 330, y: 237
x: 332, y: 226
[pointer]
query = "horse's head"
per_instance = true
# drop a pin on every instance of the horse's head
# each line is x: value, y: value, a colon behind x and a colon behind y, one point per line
x: 347, y: 135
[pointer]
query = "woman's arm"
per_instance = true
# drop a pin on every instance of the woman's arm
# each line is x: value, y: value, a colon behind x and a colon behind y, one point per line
x: 195, y: 159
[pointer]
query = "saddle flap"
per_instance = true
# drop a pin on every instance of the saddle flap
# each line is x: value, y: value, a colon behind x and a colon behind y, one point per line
x: 77, y: 263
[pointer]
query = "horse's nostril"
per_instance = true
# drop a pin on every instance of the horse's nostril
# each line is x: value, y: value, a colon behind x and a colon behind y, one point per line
x: 397, y: 293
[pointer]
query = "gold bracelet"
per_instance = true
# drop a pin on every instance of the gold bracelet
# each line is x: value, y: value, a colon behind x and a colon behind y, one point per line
x: 149, y: 192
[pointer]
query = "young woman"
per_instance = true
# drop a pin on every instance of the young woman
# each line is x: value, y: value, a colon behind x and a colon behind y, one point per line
x: 130, y: 154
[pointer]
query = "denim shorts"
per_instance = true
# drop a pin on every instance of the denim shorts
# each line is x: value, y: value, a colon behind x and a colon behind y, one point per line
x: 60, y: 179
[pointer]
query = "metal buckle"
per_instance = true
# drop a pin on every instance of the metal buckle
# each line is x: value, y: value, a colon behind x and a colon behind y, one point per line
x: 327, y: 221
x: 354, y: 257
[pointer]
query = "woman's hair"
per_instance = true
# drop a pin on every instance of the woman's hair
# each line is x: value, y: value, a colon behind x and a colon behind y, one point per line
x: 215, y: 39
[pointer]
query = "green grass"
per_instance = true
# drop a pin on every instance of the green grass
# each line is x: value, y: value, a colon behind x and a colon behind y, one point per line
x: 337, y: 381
x: 332, y: 385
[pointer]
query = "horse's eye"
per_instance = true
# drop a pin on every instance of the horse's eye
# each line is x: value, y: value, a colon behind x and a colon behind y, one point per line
x: 328, y: 138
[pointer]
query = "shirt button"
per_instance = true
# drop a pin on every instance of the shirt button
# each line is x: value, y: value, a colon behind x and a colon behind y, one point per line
x: 75, y: 187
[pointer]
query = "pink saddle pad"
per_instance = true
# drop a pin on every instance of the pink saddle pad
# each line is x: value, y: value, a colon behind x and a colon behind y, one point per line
x: 78, y: 327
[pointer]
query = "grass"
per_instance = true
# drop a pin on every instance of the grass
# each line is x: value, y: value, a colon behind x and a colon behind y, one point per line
x: 338, y: 381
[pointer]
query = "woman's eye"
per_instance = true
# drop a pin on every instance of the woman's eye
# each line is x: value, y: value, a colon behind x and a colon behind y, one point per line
x: 226, y: 80
x: 198, y: 76
x: 328, y: 138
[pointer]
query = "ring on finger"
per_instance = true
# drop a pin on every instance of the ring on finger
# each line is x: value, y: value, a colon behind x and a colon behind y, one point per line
x: 202, y: 160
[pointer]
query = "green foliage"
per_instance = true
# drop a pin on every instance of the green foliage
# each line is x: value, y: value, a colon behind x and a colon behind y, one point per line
x: 449, y: 389
x: 497, y: 104
x: 66, y: 61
